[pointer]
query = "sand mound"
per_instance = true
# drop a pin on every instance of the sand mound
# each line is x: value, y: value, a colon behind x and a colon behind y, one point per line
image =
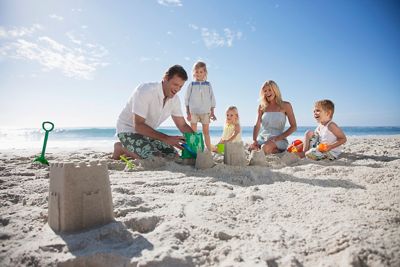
x: 289, y: 212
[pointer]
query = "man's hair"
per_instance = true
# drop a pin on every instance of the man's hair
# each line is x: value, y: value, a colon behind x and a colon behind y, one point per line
x: 176, y: 70
x: 326, y: 105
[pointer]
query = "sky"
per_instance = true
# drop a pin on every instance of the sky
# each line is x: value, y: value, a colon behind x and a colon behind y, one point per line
x: 76, y: 63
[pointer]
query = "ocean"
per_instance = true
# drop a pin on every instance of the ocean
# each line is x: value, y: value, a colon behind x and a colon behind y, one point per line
x: 105, y: 137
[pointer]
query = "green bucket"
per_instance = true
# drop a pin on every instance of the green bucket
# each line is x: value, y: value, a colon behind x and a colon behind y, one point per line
x: 195, y: 143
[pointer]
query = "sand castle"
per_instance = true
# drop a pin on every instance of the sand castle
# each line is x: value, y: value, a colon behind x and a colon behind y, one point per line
x: 79, y: 196
x: 257, y: 157
x: 204, y: 160
x: 234, y: 154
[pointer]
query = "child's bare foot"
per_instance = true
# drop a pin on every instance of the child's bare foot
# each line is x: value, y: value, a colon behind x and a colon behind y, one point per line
x: 119, y: 150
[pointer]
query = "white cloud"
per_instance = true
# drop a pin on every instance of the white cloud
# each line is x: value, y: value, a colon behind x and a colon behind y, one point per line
x: 78, y: 59
x: 56, y: 17
x: 16, y: 32
x: 193, y: 26
x: 213, y: 39
x: 145, y: 59
x: 73, y: 39
x: 170, y: 2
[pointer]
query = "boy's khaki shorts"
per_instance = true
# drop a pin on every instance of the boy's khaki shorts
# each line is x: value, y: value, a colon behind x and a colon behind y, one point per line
x: 202, y: 118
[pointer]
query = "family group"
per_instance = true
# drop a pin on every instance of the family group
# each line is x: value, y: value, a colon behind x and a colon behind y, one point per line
x: 152, y: 103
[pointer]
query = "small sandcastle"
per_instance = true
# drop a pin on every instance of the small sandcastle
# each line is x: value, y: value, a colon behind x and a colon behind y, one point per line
x: 204, y: 160
x: 257, y: 157
x: 79, y: 196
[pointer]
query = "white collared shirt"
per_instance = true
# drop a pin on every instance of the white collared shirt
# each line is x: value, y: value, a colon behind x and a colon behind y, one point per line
x: 147, y: 102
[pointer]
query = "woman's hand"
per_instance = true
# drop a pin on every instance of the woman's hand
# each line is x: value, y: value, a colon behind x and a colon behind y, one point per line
x: 254, y: 146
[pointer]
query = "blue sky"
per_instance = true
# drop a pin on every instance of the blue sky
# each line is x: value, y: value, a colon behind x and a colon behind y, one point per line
x: 76, y: 62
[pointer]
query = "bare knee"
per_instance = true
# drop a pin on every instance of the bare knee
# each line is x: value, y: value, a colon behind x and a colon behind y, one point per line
x: 269, y: 148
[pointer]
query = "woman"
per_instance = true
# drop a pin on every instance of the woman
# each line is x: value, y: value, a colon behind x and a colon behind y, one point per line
x: 272, y: 113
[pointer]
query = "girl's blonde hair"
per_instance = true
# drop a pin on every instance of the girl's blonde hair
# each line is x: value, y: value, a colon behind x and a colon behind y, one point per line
x: 235, y: 110
x: 275, y: 88
x: 198, y: 65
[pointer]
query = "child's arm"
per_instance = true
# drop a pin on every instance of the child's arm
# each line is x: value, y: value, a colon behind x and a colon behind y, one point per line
x: 212, y: 115
x: 235, y: 133
x: 341, y: 137
x: 213, y: 104
x: 189, y: 116
x: 187, y: 96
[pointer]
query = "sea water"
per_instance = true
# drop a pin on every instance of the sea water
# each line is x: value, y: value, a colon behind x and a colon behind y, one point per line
x: 28, y: 138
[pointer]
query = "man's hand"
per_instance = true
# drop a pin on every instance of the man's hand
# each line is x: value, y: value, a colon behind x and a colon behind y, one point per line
x: 175, y: 141
x: 189, y: 117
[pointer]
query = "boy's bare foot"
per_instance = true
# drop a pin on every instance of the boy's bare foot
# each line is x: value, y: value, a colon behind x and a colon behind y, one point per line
x: 119, y: 150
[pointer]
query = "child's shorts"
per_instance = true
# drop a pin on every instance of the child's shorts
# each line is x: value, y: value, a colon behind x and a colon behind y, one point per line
x: 202, y: 118
x: 315, y: 154
x: 145, y: 146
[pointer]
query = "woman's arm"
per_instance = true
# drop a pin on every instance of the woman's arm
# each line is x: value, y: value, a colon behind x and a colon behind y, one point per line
x: 292, y: 122
x: 256, y: 128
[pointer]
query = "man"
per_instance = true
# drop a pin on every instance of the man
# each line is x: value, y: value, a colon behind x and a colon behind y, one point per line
x: 150, y: 105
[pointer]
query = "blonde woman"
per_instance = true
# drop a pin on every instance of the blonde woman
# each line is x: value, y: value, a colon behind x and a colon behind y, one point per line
x: 269, y: 132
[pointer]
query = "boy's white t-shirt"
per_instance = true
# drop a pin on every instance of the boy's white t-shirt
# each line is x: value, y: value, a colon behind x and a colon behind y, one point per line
x: 147, y: 102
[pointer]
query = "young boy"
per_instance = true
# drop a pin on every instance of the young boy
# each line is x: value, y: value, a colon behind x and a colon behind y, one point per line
x: 327, y: 139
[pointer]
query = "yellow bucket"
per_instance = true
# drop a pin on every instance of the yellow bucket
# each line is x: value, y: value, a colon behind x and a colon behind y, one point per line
x: 220, y: 148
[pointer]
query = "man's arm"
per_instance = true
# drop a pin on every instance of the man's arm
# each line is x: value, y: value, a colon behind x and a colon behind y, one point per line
x: 182, y: 125
x: 142, y: 128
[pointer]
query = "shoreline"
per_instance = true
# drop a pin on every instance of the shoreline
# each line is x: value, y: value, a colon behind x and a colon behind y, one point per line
x: 107, y: 145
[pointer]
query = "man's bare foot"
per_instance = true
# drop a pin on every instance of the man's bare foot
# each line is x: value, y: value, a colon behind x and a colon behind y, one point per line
x: 119, y: 150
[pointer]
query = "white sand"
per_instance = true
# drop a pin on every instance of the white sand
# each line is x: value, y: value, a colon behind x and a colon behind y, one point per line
x: 288, y: 213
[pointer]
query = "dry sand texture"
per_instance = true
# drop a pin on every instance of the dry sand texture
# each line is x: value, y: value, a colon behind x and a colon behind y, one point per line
x: 288, y: 213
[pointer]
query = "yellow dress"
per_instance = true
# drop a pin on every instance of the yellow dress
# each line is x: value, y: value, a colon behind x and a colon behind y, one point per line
x: 228, y: 131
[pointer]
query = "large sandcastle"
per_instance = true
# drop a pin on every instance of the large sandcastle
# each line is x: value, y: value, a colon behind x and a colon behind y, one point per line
x: 234, y: 154
x: 79, y: 196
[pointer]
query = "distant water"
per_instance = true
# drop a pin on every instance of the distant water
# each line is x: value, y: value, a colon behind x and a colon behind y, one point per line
x: 104, y: 137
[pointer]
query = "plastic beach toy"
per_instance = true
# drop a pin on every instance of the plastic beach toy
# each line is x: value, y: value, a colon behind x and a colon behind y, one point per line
x: 296, y: 146
x: 323, y: 147
x: 189, y: 149
x: 220, y: 148
x: 41, y: 158
x: 129, y: 163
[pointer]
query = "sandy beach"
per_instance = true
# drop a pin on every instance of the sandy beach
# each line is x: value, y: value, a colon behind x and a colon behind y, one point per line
x: 288, y: 213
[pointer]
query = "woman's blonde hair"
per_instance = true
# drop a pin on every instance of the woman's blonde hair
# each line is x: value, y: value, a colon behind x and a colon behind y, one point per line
x: 198, y: 65
x: 275, y: 88
x: 235, y: 110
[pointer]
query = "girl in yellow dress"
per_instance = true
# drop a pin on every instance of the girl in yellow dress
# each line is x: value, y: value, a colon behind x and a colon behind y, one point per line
x: 231, y: 132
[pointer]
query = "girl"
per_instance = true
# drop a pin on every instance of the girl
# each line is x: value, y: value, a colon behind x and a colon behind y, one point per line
x: 272, y: 114
x: 231, y: 132
x: 200, y: 101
